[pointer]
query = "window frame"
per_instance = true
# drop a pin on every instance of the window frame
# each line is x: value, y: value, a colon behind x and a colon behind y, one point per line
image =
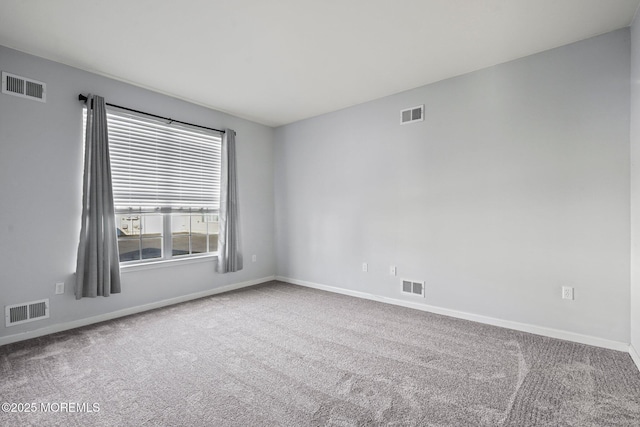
x: 167, y: 239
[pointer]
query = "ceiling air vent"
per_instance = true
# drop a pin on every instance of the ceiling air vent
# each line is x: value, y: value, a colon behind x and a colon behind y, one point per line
x: 26, y: 312
x: 23, y: 87
x: 410, y: 115
x: 413, y: 287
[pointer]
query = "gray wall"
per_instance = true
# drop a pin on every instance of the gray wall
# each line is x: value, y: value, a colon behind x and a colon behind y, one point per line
x: 515, y: 184
x: 40, y: 189
x: 635, y: 186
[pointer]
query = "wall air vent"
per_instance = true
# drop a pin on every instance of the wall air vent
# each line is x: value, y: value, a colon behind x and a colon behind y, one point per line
x: 413, y: 287
x: 26, y: 312
x: 23, y: 87
x: 410, y: 115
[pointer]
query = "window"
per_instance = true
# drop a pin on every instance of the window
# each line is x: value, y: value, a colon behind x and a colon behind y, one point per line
x: 166, y: 187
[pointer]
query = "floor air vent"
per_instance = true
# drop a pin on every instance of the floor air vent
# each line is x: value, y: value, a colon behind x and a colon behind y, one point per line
x: 23, y: 87
x: 26, y: 312
x: 410, y: 115
x: 413, y: 287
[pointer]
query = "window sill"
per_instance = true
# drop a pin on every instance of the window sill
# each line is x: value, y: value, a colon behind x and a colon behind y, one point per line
x: 152, y: 265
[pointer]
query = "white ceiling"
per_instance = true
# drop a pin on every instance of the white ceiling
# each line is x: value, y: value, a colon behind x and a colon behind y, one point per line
x: 279, y: 61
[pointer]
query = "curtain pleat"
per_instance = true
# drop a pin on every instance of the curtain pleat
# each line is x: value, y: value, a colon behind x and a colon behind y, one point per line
x: 98, y: 267
x: 229, y: 248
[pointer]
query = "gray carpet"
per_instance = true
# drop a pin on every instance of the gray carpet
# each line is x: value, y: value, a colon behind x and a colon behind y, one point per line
x: 283, y: 355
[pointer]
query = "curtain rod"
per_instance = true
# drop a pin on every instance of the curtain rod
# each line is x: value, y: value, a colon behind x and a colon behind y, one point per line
x: 82, y: 97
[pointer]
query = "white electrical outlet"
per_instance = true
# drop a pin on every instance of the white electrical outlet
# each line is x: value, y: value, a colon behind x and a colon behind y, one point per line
x: 253, y: 258
x: 365, y: 267
x: 392, y: 270
x: 567, y: 292
x: 59, y: 288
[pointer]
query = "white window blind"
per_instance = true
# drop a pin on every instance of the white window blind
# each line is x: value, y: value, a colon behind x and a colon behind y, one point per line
x: 159, y: 165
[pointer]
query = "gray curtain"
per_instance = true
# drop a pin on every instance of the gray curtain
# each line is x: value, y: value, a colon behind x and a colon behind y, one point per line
x: 98, y: 268
x: 229, y: 251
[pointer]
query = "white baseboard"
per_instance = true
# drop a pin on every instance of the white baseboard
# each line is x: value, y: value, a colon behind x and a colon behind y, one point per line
x: 126, y: 312
x: 634, y: 355
x: 524, y: 327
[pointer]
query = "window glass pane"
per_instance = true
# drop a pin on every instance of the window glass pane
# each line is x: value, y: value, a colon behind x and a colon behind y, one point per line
x: 151, y: 228
x: 129, y: 248
x: 151, y: 225
x: 198, y: 243
x: 127, y: 228
x: 128, y: 225
x: 180, y: 234
x: 198, y: 234
x: 194, y: 233
x: 139, y: 236
x: 152, y: 248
